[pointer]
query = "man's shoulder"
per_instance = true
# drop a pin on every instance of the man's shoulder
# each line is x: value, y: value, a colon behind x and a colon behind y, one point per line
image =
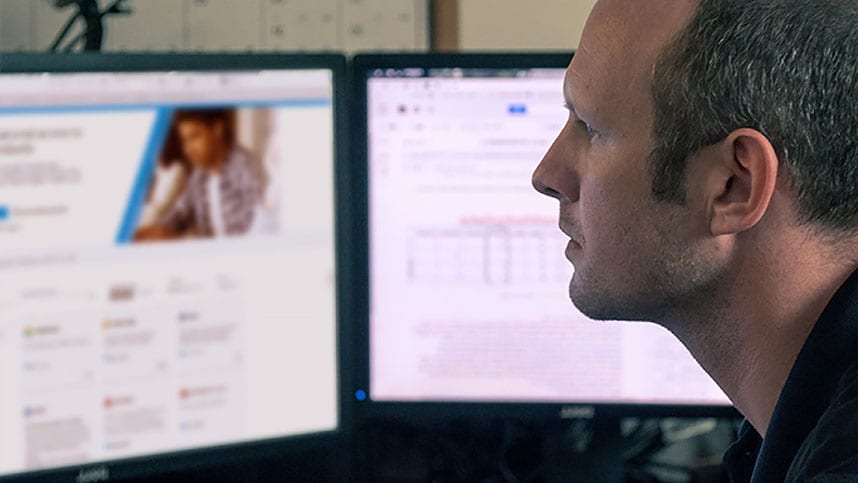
x: 830, y: 451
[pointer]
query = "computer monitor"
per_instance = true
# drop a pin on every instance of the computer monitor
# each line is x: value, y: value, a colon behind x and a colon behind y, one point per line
x: 467, y: 300
x: 168, y: 276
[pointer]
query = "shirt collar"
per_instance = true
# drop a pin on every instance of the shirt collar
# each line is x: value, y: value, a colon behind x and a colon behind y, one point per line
x: 740, y: 458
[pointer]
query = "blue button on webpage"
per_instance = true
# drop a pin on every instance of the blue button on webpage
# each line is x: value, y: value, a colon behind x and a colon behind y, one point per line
x: 518, y: 109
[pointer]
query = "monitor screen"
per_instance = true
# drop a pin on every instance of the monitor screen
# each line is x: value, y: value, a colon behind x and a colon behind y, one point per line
x: 167, y: 263
x: 468, y: 281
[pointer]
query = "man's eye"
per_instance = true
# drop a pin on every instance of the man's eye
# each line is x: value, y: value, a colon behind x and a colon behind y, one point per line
x: 583, y: 124
x: 590, y: 131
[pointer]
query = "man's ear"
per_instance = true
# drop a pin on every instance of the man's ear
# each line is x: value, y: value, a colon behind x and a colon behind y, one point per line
x: 742, y: 182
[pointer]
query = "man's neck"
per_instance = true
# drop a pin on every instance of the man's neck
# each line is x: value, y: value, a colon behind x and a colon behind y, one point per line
x: 749, y: 334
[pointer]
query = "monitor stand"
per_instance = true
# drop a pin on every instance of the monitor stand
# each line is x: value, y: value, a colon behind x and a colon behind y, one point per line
x: 584, y: 450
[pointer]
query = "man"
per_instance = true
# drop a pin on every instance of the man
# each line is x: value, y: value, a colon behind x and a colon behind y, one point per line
x: 224, y: 186
x: 708, y: 181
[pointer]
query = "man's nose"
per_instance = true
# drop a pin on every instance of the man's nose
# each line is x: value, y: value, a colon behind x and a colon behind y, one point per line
x: 539, y: 183
x: 554, y: 177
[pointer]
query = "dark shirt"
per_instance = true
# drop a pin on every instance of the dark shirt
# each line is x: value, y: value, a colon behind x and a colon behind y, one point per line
x: 813, y: 432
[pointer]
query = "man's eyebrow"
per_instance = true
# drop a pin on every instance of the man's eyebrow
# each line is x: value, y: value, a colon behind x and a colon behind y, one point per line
x: 570, y: 105
x: 567, y: 97
x: 581, y: 110
x: 568, y: 101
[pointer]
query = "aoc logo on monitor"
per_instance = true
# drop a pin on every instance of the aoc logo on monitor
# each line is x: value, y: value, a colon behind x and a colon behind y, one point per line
x: 577, y: 412
x: 92, y: 475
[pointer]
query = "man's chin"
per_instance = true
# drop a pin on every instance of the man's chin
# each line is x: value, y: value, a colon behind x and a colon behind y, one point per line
x: 609, y: 306
x: 597, y: 304
x: 586, y: 301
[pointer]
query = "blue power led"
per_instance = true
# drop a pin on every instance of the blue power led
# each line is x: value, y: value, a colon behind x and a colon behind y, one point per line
x: 360, y: 395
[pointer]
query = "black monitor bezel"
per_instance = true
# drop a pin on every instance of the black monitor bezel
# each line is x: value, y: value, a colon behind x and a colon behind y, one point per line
x: 367, y: 409
x: 247, y: 452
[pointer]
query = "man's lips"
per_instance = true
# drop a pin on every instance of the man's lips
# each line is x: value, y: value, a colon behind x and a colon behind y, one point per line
x: 572, y: 234
x: 571, y: 249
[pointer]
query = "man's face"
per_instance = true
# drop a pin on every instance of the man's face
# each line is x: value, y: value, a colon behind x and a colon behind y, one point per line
x: 634, y: 257
x: 201, y: 142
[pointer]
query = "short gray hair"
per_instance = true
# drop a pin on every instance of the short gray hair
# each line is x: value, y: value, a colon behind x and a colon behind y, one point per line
x: 786, y: 68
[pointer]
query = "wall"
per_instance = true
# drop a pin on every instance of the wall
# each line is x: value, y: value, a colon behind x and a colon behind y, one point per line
x: 308, y: 25
x: 231, y: 25
x: 521, y: 25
